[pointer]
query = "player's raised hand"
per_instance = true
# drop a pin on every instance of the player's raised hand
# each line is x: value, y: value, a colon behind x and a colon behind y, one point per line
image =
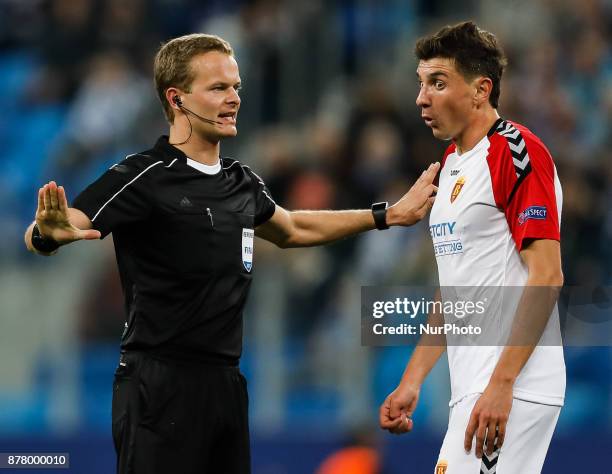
x: 395, y: 414
x: 417, y: 202
x: 52, y: 217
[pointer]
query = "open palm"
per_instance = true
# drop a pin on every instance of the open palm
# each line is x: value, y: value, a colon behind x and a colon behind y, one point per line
x: 53, y: 219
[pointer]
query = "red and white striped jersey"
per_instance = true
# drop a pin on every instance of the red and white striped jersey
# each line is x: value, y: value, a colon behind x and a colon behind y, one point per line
x: 491, y: 200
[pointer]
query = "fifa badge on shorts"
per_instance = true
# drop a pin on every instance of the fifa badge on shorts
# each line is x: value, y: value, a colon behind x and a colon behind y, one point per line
x: 441, y: 467
x: 247, y: 249
x: 457, y: 188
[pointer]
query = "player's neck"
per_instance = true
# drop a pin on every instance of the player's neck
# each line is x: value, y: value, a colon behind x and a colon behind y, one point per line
x: 475, y: 130
x: 197, y: 148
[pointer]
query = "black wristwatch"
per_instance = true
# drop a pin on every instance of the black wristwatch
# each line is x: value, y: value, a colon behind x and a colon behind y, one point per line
x: 43, y: 244
x: 379, y: 211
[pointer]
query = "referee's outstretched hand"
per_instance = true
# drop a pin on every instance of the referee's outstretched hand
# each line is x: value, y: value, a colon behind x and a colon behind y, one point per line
x: 416, y: 203
x: 53, y: 217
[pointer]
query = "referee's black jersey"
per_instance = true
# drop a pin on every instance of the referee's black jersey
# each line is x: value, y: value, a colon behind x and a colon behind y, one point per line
x: 184, y: 246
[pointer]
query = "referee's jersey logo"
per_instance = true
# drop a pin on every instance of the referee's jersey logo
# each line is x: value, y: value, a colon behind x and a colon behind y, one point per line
x: 247, y: 249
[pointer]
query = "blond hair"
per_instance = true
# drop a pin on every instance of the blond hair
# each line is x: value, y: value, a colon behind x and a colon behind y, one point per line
x: 172, y: 66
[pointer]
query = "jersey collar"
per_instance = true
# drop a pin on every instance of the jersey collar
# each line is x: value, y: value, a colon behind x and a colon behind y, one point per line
x: 494, y: 127
x: 170, y: 153
x: 163, y: 145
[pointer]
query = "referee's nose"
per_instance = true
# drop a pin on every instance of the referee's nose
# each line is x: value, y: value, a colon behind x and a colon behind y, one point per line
x: 233, y: 98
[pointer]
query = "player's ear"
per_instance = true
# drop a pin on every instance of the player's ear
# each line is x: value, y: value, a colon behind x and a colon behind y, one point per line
x: 482, y: 90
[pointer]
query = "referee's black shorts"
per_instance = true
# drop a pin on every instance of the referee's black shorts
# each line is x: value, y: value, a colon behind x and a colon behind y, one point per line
x: 179, y: 418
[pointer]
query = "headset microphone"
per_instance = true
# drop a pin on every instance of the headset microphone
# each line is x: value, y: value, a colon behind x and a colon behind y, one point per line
x: 179, y: 102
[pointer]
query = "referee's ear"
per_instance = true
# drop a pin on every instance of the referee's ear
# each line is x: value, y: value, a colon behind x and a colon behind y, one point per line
x: 173, y: 96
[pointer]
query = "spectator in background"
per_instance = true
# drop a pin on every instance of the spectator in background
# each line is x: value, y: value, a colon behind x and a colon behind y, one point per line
x: 66, y: 43
x: 377, y: 141
x: 128, y: 27
x: 104, y: 113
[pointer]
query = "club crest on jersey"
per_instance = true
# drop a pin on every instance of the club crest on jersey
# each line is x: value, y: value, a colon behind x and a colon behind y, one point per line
x: 532, y: 212
x: 457, y: 188
x: 247, y: 249
x: 441, y: 467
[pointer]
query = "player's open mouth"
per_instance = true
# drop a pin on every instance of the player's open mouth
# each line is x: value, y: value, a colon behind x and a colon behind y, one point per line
x: 228, y: 117
x: 428, y: 120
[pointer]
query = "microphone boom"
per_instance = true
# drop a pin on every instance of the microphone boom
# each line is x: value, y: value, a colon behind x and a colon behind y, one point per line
x: 204, y: 119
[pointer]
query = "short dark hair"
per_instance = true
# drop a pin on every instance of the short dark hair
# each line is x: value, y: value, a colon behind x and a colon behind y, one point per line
x: 476, y: 52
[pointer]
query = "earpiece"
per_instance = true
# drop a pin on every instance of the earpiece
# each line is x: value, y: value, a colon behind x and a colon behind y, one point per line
x: 179, y: 103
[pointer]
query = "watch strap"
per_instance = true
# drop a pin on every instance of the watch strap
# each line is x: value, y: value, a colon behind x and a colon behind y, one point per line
x: 379, y: 211
x: 43, y: 244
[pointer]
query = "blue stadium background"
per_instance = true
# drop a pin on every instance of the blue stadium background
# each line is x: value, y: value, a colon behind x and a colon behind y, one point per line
x: 329, y: 121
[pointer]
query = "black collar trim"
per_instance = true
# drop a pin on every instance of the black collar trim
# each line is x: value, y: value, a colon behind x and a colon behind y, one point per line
x: 163, y: 145
x: 497, y: 123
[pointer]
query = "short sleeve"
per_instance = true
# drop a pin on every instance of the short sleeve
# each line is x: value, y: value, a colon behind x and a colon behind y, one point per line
x: 264, y: 204
x: 122, y: 195
x: 527, y: 190
x: 532, y: 212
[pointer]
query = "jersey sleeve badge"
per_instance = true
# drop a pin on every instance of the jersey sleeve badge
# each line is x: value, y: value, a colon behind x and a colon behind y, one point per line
x: 247, y: 248
x: 532, y: 212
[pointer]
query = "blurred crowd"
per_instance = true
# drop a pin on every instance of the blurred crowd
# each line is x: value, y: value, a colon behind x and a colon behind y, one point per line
x: 328, y: 120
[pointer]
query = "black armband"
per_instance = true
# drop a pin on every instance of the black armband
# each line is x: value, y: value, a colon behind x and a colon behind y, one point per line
x: 43, y: 244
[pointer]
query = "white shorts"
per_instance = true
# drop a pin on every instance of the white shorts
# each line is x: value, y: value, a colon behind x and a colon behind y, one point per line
x: 528, y: 433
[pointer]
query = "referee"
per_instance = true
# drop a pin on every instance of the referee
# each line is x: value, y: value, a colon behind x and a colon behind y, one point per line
x: 183, y: 222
